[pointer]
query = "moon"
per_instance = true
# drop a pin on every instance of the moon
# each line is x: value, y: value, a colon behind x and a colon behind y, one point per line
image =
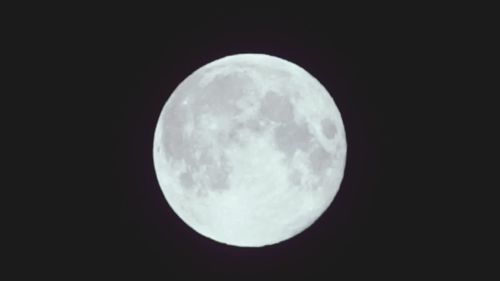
x: 249, y: 150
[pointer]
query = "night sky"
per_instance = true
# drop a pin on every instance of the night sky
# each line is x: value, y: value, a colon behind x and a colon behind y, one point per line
x: 388, y: 219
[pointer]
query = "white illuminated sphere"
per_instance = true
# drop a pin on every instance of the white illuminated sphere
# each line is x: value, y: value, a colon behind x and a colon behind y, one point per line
x: 249, y: 150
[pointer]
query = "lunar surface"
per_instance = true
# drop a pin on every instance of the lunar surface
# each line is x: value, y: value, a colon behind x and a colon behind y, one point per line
x: 249, y: 150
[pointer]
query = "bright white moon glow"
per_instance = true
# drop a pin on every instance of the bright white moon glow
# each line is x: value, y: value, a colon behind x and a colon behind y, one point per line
x: 249, y: 150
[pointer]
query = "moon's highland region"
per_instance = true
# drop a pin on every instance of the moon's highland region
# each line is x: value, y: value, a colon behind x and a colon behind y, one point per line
x: 249, y: 150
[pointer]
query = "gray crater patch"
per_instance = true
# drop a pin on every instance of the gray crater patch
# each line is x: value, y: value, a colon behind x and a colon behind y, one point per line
x: 295, y: 177
x: 217, y: 172
x: 176, y: 145
x: 276, y: 108
x: 290, y: 137
x: 255, y: 125
x: 172, y: 139
x: 329, y: 128
x: 320, y: 160
x: 218, y: 177
x: 223, y: 92
x: 186, y: 179
x: 180, y: 148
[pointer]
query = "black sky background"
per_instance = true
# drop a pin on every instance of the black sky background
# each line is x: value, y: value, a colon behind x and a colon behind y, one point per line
x: 394, y: 216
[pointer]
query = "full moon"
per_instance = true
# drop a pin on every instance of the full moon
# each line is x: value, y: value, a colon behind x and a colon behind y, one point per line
x: 249, y: 150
